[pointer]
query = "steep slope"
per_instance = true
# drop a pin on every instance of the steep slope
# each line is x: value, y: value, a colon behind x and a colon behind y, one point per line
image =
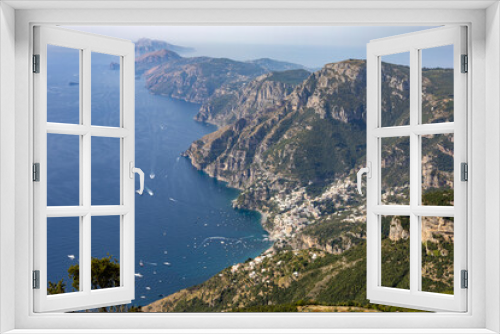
x: 196, y: 79
x: 288, y: 280
x: 262, y: 94
x: 153, y: 59
x: 265, y: 145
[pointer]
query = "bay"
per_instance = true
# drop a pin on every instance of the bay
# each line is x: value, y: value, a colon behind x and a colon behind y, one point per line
x: 186, y: 227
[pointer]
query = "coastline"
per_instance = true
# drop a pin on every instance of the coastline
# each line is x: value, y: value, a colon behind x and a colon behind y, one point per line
x: 262, y: 221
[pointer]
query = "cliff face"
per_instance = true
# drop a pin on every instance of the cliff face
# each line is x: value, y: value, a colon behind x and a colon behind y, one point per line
x: 250, y: 147
x: 251, y: 100
x: 337, y: 89
x: 196, y: 79
x: 153, y: 59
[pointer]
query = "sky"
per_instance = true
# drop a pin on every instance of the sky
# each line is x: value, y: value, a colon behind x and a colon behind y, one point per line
x: 311, y: 46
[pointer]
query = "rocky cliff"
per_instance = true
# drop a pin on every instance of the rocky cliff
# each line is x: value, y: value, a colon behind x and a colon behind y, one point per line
x: 261, y: 95
x: 196, y: 79
x: 153, y: 59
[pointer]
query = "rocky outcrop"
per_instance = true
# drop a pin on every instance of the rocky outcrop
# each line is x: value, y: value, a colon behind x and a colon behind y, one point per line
x: 337, y: 246
x: 437, y: 229
x: 332, y: 84
x: 153, y: 59
x: 196, y: 79
x: 264, y: 94
x: 396, y: 230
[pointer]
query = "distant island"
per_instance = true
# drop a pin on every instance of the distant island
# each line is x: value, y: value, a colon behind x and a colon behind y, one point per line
x: 146, y: 45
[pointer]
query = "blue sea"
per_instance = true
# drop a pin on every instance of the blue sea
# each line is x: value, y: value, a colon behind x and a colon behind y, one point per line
x: 186, y: 228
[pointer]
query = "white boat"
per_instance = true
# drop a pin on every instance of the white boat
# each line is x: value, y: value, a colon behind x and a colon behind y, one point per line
x: 167, y: 263
x: 138, y: 275
x: 71, y: 257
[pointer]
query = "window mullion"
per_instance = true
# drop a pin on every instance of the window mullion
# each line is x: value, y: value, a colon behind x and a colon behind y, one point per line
x: 85, y: 165
x: 414, y: 170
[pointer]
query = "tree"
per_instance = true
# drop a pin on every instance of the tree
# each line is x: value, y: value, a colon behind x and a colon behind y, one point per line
x: 105, y: 274
x: 56, y: 288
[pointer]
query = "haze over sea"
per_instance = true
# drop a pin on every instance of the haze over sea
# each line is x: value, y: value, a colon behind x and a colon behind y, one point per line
x: 186, y: 228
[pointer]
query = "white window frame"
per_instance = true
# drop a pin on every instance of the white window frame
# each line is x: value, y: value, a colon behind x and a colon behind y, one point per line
x: 413, y: 43
x: 484, y: 50
x: 85, y: 43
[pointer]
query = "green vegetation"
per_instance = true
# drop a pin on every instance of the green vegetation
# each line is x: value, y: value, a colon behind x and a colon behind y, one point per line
x: 438, y: 197
x: 395, y: 99
x: 291, y: 77
x: 105, y: 274
x: 328, y: 150
x: 291, y: 279
x: 437, y: 103
x: 56, y: 288
x: 221, y: 103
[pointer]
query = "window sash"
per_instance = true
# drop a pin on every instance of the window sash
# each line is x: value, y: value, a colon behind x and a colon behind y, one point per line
x: 413, y: 43
x: 87, y: 43
x: 475, y: 321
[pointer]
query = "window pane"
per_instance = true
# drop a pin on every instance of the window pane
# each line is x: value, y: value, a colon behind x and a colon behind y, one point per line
x: 63, y: 254
x: 105, y: 171
x: 63, y: 85
x: 395, y: 252
x: 105, y: 252
x: 437, y: 84
x: 395, y: 103
x: 437, y: 169
x: 105, y: 90
x: 395, y: 170
x: 437, y: 254
x: 63, y: 170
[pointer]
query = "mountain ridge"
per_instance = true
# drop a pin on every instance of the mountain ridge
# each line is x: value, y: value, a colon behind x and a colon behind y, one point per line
x: 294, y: 151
